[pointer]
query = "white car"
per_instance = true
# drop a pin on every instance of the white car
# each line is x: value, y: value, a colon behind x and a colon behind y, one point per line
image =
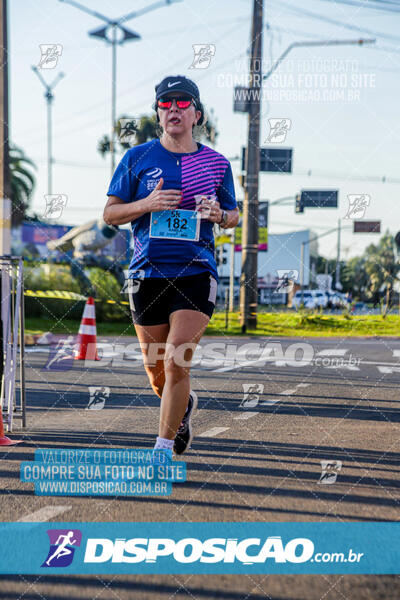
x: 311, y: 299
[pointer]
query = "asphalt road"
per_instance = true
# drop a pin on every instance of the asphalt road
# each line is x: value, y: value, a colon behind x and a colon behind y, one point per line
x: 254, y: 458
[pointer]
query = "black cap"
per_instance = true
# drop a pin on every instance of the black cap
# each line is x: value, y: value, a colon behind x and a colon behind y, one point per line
x: 177, y: 83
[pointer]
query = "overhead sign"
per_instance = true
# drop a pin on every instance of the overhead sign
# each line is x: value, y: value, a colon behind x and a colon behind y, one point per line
x: 366, y: 227
x: 319, y: 198
x: 273, y: 160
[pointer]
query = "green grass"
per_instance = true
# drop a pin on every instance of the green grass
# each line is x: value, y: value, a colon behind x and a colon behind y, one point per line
x: 289, y: 324
x: 294, y: 324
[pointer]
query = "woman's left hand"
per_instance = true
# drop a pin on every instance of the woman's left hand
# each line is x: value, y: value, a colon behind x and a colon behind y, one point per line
x: 210, y: 210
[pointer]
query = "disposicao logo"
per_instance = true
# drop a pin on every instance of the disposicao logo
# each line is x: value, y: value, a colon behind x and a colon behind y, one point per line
x: 191, y: 550
x: 62, y: 547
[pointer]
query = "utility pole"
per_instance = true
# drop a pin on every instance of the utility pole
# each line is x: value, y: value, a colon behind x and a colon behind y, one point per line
x: 337, y: 277
x: 232, y: 273
x: 249, y: 274
x: 49, y: 96
x: 302, y: 270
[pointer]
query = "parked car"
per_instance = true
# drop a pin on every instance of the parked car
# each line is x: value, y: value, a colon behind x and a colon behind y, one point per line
x: 321, y: 299
x: 310, y: 298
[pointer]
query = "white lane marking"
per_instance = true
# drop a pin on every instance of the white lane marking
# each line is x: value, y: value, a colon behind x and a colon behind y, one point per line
x: 300, y: 363
x: 213, y: 431
x: 249, y: 363
x: 269, y: 402
x: 245, y: 415
x: 285, y: 393
x: 332, y: 352
x: 44, y: 514
x: 294, y: 390
x: 389, y: 369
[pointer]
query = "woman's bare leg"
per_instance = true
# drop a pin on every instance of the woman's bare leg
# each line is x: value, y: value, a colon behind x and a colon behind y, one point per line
x: 151, y: 337
x: 186, y: 327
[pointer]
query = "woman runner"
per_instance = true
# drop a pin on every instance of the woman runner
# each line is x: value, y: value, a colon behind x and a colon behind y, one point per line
x: 172, y: 190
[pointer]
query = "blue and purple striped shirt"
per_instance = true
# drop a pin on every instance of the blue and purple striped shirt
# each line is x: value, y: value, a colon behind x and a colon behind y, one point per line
x: 204, y: 171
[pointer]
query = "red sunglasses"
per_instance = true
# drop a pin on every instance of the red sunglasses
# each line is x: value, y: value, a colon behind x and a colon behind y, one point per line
x: 181, y: 102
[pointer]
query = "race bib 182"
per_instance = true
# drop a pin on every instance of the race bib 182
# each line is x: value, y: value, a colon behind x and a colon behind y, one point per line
x: 175, y: 225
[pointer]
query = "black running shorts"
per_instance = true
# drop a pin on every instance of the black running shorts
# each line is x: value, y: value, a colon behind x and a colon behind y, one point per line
x: 153, y: 299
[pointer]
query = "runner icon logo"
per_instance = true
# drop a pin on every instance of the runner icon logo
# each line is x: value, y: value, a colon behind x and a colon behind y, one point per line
x: 203, y: 54
x: 98, y: 397
x: 61, y: 355
x: 55, y: 204
x: 62, y: 547
x: 49, y: 55
x: 251, y: 394
x: 330, y: 470
x: 278, y: 130
x: 358, y: 204
x: 128, y: 127
x: 286, y: 280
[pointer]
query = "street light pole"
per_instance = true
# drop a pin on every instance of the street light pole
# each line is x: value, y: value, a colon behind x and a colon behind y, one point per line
x: 115, y: 25
x: 49, y: 96
x: 276, y: 64
x: 232, y: 274
x: 337, y: 277
x: 114, y: 96
x: 309, y: 241
x: 302, y: 270
x: 249, y: 275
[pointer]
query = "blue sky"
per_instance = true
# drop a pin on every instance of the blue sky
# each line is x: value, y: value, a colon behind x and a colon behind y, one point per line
x: 345, y: 139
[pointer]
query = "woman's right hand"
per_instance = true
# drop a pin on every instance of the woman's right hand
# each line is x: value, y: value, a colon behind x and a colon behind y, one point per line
x: 160, y: 199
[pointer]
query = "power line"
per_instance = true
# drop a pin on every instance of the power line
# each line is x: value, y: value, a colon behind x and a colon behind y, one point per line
x: 326, y: 19
x: 307, y: 173
x: 128, y: 92
x: 367, y: 4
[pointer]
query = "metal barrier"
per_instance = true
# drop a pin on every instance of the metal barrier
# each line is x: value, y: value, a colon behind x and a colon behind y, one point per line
x: 12, y: 315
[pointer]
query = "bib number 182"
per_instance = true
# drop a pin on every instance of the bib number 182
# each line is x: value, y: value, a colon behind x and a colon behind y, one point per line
x: 176, y: 222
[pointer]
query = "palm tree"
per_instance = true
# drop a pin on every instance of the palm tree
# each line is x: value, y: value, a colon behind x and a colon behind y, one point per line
x: 382, y: 268
x: 22, y: 183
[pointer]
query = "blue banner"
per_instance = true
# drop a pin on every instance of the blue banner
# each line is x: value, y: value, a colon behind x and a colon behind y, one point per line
x: 83, y: 472
x: 247, y: 548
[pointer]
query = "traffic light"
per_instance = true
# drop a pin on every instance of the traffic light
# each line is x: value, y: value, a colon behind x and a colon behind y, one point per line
x: 299, y: 206
x: 397, y: 240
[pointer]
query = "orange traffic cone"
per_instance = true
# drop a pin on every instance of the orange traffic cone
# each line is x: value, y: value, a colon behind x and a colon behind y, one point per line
x: 4, y: 440
x: 87, y: 348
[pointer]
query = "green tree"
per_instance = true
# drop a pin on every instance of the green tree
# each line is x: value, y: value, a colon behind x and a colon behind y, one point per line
x: 382, y: 269
x: 354, y: 277
x: 22, y: 184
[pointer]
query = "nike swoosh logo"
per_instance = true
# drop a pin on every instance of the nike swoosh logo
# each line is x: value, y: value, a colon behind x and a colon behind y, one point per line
x: 175, y: 83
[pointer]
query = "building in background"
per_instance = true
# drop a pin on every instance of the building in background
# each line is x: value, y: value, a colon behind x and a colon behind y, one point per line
x: 283, y: 255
